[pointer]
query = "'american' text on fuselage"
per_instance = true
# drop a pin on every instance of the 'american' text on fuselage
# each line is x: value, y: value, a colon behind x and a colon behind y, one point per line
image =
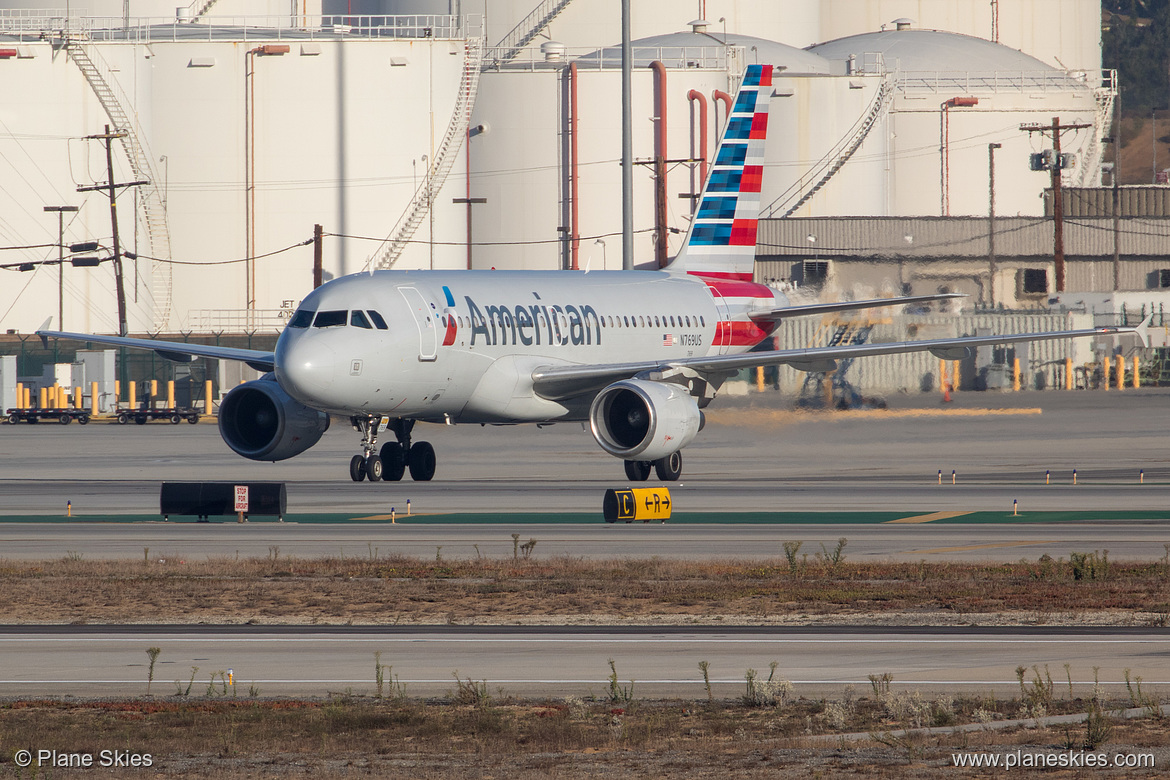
x: 561, y: 325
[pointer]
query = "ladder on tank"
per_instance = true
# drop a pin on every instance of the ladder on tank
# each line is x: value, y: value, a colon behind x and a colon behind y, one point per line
x: 1090, y: 167
x: 836, y: 158
x: 154, y: 208
x: 390, y: 249
x: 523, y: 33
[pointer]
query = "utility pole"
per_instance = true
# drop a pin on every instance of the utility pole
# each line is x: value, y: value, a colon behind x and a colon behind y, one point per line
x: 1058, y: 163
x: 627, y: 144
x: 111, y: 189
x: 318, y: 270
x: 991, y: 222
x: 60, y: 211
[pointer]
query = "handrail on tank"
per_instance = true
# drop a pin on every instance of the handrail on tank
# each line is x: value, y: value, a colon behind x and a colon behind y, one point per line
x: 591, y: 58
x: 116, y: 29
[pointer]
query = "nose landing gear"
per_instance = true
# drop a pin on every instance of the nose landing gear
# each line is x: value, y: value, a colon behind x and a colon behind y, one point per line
x: 391, y: 463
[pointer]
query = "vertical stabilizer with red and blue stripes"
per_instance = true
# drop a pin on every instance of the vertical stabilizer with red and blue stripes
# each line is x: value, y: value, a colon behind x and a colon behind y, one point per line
x: 722, y: 240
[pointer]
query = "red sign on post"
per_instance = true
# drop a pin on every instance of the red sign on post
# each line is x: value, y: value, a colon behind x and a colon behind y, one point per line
x: 241, y: 498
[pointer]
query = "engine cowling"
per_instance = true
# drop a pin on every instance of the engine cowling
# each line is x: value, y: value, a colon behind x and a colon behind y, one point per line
x: 637, y: 419
x: 260, y: 421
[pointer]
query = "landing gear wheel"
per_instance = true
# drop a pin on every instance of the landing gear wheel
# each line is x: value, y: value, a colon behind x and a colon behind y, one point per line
x: 393, y: 461
x: 357, y: 468
x: 64, y: 419
x: 176, y: 419
x: 373, y: 468
x: 422, y: 462
x: 669, y: 469
x: 638, y: 470
x: 123, y: 418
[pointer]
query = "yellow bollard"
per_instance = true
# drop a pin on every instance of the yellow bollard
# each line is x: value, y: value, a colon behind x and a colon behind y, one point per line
x: 77, y: 402
x: 954, y: 376
x: 1016, y: 374
x: 207, y: 397
x: 1120, y: 372
x: 133, y: 394
x: 1068, y: 374
x: 44, y: 398
x: 62, y: 397
x: 1136, y: 382
x: 828, y: 388
x: 117, y: 391
x: 153, y: 391
x: 27, y: 397
x: 760, y: 378
x: 1106, y: 365
x: 170, y: 394
x: 19, y: 395
x: 93, y: 398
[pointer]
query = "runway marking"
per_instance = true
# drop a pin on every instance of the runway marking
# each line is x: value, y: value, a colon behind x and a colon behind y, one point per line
x: 396, y: 515
x: 928, y: 518
x: 968, y: 547
x: 447, y: 681
x: 578, y: 640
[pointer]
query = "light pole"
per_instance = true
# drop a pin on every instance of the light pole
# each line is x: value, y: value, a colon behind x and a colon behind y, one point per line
x: 60, y: 211
x: 991, y: 222
x: 601, y: 242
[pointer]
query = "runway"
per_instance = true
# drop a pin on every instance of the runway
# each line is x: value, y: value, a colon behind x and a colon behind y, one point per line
x: 661, y: 662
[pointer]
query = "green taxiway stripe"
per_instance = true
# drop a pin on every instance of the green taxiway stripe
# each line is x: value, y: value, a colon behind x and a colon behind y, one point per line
x: 594, y: 518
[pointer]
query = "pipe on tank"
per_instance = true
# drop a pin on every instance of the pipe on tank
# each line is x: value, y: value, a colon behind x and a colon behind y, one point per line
x: 574, y: 223
x: 660, y: 165
x: 692, y: 96
x: 719, y: 96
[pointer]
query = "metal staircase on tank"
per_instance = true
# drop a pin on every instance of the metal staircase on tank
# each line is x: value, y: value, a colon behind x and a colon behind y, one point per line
x: 528, y: 28
x: 1090, y: 166
x: 199, y: 8
x: 104, y: 84
x: 836, y: 158
x: 843, y: 394
x: 444, y: 158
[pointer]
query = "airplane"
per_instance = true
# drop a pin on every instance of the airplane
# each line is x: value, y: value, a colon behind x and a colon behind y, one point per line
x: 637, y: 355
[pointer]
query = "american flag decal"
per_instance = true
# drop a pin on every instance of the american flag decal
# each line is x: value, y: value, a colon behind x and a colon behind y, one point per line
x: 668, y: 340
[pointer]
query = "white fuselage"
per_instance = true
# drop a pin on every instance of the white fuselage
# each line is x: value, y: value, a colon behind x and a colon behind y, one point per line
x: 462, y: 346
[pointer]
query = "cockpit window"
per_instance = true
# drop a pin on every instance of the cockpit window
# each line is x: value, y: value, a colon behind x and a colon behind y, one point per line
x: 358, y: 320
x: 379, y: 323
x: 302, y: 319
x: 330, y: 319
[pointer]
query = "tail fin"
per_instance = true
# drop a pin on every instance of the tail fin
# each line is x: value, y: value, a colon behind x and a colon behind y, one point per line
x: 722, y: 239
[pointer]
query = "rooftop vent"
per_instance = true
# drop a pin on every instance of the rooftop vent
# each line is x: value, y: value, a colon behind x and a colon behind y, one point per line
x: 553, y: 51
x: 699, y: 25
x: 903, y: 23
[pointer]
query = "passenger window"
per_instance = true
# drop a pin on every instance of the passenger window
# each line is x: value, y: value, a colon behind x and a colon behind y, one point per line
x: 656, y: 323
x: 379, y: 323
x: 702, y: 321
x: 688, y: 322
x: 358, y: 320
x: 672, y: 320
x: 627, y: 319
x: 302, y: 319
x: 330, y: 319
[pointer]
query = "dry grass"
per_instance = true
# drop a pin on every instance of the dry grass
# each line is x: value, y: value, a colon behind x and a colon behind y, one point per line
x: 326, y: 590
x: 346, y: 738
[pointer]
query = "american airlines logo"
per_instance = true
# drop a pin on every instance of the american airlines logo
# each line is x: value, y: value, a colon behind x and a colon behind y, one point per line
x: 529, y: 325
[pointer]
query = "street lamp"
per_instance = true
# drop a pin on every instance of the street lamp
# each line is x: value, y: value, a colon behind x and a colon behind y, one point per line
x: 60, y: 211
x: 991, y: 222
x: 601, y: 242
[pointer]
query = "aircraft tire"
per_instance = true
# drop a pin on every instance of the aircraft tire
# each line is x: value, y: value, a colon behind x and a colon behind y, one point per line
x: 374, y: 468
x: 669, y: 469
x: 422, y: 462
x: 357, y: 468
x: 638, y: 470
x: 393, y: 462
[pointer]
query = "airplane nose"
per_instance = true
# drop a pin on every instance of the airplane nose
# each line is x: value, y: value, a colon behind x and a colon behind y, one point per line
x: 306, y: 369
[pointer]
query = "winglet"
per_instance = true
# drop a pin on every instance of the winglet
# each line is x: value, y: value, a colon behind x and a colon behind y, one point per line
x: 1143, y: 329
x: 45, y: 326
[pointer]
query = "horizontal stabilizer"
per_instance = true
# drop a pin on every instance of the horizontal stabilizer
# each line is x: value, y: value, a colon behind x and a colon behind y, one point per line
x: 811, y: 309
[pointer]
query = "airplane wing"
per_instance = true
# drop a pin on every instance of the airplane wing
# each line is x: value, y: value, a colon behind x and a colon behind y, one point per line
x: 178, y: 351
x: 810, y: 309
x: 565, y: 381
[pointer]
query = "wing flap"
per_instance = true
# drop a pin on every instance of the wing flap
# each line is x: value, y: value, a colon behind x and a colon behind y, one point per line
x: 174, y: 350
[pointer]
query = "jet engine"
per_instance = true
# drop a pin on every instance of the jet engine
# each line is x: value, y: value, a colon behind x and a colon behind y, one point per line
x: 260, y: 421
x: 641, y: 420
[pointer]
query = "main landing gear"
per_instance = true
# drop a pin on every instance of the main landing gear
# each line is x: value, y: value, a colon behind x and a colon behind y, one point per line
x: 392, y: 462
x: 668, y: 469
